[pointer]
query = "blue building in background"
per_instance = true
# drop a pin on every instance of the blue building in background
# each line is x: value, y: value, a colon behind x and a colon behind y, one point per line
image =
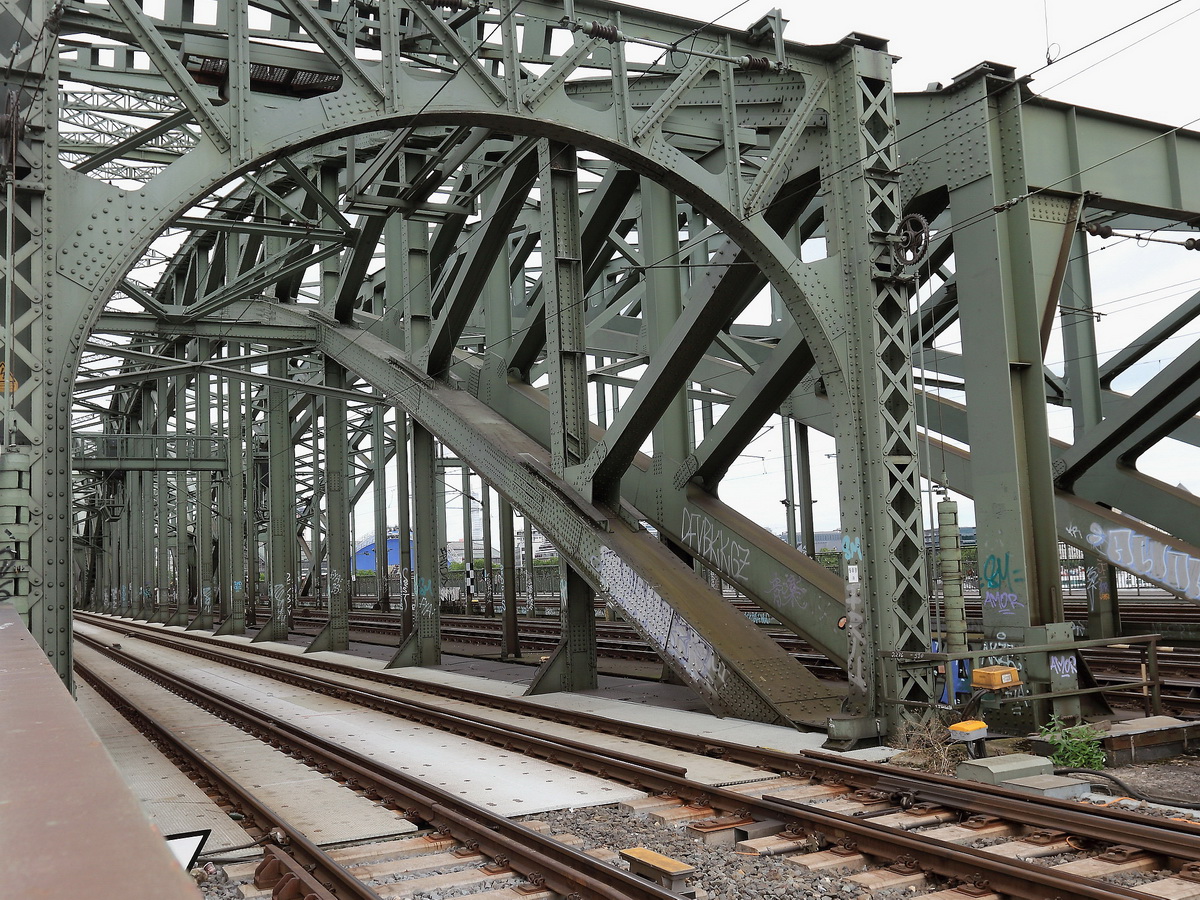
x: 364, y: 558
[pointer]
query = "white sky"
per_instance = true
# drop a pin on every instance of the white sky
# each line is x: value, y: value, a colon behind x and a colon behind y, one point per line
x: 1146, y: 71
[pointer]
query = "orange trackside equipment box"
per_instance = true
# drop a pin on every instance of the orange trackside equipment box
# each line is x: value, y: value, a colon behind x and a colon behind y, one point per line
x: 995, y: 678
x: 971, y: 730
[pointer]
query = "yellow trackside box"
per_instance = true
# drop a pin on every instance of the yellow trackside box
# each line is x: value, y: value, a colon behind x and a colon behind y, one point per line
x: 995, y: 678
x: 968, y: 731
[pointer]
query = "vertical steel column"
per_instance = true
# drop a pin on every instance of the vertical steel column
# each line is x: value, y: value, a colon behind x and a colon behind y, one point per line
x: 35, y: 377
x: 179, y: 553
x: 281, y: 509
x: 395, y: 247
x: 489, y: 602
x: 572, y: 666
x: 327, y: 184
x: 404, y: 523
x: 601, y: 397
x: 1087, y: 410
x: 441, y: 501
x: 133, y: 533
x: 379, y: 508
x: 336, y: 633
x: 789, y: 480
x: 108, y: 554
x: 497, y: 323
x: 113, y: 559
x: 257, y: 498
x: 1000, y: 264
x: 149, y: 545
x: 663, y: 304
x: 162, y: 507
x: 510, y: 643
x: 886, y: 604
x: 162, y: 541
x: 468, y: 542
x: 180, y: 616
x: 806, y: 498
x: 204, y: 499
x: 133, y: 539
x: 562, y: 285
x: 241, y: 512
x: 407, y: 243
x: 423, y: 646
x: 314, y: 581
x: 222, y: 519
x: 530, y: 581
x: 99, y: 540
x: 124, y: 550
x: 91, y: 534
x: 124, y: 555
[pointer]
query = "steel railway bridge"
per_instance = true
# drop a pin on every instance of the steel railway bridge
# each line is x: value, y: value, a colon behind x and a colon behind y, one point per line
x: 261, y: 260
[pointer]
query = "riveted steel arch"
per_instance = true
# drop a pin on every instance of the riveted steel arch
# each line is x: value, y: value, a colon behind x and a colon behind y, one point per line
x: 832, y: 108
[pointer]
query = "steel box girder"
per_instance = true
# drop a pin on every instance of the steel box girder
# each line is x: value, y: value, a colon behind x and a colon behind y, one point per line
x: 803, y: 595
x: 728, y: 660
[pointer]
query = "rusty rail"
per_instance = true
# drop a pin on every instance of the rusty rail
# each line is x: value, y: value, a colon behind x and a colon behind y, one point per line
x: 540, y: 858
x: 311, y: 866
x: 1041, y: 812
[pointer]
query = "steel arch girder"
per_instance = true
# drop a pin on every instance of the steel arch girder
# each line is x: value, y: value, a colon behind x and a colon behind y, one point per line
x: 134, y: 218
x: 93, y: 256
x: 282, y: 126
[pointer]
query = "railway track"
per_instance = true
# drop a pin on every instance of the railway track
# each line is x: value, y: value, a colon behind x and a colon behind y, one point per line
x: 544, y: 864
x: 1179, y: 667
x: 818, y: 811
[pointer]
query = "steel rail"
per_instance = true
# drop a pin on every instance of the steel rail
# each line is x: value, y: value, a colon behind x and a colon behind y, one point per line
x: 1178, y: 670
x: 1009, y: 876
x: 538, y: 857
x: 570, y: 752
x: 1108, y: 824
x: 615, y: 640
x: 320, y: 873
x: 1103, y: 824
x: 1014, y: 878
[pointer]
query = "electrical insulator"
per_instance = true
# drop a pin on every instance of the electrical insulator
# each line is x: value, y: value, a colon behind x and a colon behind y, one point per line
x: 1102, y: 231
x: 755, y: 63
x: 605, y: 32
x: 1192, y: 244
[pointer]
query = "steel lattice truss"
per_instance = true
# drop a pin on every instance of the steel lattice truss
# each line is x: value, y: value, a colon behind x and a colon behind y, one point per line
x: 300, y: 251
